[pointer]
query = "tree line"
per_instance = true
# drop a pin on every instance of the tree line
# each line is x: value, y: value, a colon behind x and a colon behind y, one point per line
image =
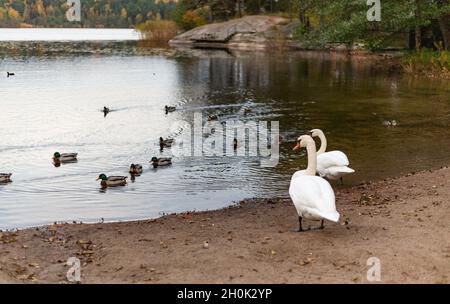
x: 417, y: 23
x: 94, y: 13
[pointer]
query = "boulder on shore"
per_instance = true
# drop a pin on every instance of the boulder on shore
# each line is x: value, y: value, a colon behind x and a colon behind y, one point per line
x: 242, y: 33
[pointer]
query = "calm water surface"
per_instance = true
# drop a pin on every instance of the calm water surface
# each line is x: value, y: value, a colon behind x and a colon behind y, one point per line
x: 67, y: 34
x: 54, y: 101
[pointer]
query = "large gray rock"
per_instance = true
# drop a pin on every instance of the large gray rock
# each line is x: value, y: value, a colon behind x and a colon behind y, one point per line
x: 246, y: 32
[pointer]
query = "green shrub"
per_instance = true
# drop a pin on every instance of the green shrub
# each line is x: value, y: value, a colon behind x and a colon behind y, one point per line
x: 428, y: 62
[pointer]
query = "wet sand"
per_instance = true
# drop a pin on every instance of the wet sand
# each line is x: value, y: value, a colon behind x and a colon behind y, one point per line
x: 404, y: 222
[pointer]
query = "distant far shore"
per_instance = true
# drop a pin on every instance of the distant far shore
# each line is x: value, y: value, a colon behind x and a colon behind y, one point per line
x: 402, y: 222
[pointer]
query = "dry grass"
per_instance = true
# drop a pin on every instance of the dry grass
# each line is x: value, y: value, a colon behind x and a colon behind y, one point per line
x: 158, y: 31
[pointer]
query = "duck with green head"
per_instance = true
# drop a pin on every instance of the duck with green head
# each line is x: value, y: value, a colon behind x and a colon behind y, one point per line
x: 161, y: 162
x: 64, y: 157
x: 112, y: 181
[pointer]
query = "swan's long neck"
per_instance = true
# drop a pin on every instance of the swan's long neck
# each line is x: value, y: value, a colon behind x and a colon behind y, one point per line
x: 323, y: 143
x: 312, y: 158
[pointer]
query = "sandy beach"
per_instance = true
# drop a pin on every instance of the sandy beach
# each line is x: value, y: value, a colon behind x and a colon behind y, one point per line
x: 403, y: 221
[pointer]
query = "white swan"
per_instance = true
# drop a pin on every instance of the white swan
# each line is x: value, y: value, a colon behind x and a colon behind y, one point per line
x: 312, y: 195
x: 332, y: 165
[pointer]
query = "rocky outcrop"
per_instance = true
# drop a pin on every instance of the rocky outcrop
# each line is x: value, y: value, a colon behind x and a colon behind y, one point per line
x: 249, y: 32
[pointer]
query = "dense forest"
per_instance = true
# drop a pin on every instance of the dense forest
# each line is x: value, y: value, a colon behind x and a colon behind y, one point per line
x: 94, y: 13
x: 422, y: 23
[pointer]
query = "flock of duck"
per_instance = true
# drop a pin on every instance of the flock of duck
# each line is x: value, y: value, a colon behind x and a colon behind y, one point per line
x: 312, y: 195
x: 107, y: 181
x: 135, y: 169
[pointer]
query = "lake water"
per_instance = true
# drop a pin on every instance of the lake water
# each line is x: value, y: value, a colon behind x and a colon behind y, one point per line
x: 67, y: 34
x: 54, y: 103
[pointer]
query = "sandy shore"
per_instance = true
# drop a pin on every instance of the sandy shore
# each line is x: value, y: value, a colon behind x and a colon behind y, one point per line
x: 403, y: 221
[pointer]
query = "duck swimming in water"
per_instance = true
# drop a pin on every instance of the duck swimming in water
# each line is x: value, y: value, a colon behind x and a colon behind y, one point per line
x: 390, y: 123
x: 8, y: 74
x: 106, y: 111
x: 136, y: 169
x: 213, y: 118
x: 112, y: 181
x: 170, y: 109
x: 165, y: 143
x: 5, y: 178
x: 65, y: 157
x: 161, y: 162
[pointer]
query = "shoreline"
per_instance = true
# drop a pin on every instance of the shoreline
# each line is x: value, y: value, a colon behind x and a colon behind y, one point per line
x: 403, y: 221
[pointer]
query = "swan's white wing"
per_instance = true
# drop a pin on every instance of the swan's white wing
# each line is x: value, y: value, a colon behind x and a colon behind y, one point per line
x: 332, y: 159
x: 335, y: 172
x: 313, y: 197
x: 297, y: 174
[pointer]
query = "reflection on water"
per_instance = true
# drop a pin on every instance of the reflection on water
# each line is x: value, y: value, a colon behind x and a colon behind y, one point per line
x: 55, y: 103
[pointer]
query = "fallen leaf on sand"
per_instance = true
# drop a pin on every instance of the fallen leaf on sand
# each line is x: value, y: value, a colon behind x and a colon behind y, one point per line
x: 19, y: 269
x: 305, y: 261
x: 82, y: 242
x: 30, y: 277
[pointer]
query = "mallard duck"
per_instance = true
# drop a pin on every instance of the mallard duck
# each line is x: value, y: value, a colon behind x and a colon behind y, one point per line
x: 213, y: 118
x: 235, y: 144
x: 8, y: 74
x: 106, y: 111
x: 64, y: 157
x: 161, y: 162
x: 5, y: 178
x: 170, y: 109
x: 112, y: 181
x: 136, y: 169
x: 165, y: 143
x: 390, y: 123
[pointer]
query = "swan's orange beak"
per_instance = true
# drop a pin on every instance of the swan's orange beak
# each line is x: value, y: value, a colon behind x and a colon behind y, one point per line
x: 297, y: 147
